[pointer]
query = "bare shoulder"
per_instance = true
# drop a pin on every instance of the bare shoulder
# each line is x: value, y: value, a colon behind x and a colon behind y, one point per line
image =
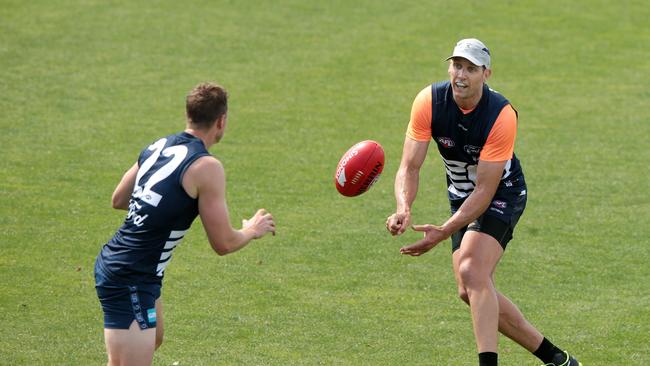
x: 204, y: 173
x: 205, y: 163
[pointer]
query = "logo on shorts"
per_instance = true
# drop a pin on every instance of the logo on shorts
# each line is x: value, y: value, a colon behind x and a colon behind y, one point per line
x: 499, y: 204
x: 151, y: 315
x: 446, y: 142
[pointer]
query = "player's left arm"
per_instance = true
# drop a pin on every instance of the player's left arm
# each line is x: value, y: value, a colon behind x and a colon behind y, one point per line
x: 488, y: 176
x: 122, y: 193
x: 205, y: 179
x: 487, y: 180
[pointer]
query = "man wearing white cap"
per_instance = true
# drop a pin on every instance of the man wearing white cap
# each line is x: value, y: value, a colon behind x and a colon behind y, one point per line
x: 474, y: 129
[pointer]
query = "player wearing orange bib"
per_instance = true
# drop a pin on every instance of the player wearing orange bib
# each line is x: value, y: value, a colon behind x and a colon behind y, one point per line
x: 474, y: 129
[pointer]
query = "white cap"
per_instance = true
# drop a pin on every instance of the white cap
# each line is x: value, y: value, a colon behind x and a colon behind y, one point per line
x: 473, y: 50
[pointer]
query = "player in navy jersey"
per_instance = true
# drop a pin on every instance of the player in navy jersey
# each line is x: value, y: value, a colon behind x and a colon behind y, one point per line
x: 174, y: 180
x: 474, y: 128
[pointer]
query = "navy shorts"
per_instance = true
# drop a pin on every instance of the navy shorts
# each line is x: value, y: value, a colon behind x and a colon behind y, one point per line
x: 498, y: 221
x: 123, y: 303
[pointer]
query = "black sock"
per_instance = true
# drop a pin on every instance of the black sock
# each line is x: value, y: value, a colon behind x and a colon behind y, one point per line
x: 487, y: 359
x: 546, y: 351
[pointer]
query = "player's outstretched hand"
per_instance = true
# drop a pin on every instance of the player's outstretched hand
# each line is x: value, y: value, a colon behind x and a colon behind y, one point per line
x: 397, y: 223
x: 261, y: 223
x: 432, y: 236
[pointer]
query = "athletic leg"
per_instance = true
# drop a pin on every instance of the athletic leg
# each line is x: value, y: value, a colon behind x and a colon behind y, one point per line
x: 133, y: 346
x: 474, y: 265
x: 511, y: 322
x: 513, y: 325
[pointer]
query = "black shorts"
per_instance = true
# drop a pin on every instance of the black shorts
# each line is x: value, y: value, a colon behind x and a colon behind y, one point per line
x: 498, y: 221
x: 123, y: 303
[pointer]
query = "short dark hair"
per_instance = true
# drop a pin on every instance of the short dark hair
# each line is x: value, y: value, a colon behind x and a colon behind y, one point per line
x: 206, y: 103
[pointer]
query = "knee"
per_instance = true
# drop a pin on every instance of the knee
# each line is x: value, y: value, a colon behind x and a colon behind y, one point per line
x: 471, y: 278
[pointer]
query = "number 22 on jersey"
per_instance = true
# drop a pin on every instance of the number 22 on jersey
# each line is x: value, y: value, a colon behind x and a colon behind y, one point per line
x: 143, y: 190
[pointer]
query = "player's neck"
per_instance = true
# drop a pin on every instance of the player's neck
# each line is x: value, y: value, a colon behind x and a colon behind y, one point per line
x: 468, y: 104
x: 201, y: 135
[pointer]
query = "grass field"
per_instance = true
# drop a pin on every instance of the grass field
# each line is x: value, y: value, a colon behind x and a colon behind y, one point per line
x: 84, y: 85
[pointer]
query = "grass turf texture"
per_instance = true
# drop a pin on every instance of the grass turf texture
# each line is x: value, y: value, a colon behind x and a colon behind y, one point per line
x: 84, y: 85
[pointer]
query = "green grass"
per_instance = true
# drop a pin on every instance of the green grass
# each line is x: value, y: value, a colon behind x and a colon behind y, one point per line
x: 84, y: 85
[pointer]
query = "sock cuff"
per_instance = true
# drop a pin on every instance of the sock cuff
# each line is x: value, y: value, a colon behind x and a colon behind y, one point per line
x: 488, y: 359
x: 546, y: 351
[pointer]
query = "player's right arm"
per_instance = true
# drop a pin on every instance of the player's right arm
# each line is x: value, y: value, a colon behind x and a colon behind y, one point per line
x: 406, y: 184
x: 416, y: 144
x: 205, y: 179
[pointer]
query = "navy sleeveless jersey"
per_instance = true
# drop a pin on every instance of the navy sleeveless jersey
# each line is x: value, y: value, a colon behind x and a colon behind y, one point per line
x: 461, y: 137
x: 160, y: 212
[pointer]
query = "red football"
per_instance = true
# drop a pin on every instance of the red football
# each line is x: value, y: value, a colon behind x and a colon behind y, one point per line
x: 359, y: 168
